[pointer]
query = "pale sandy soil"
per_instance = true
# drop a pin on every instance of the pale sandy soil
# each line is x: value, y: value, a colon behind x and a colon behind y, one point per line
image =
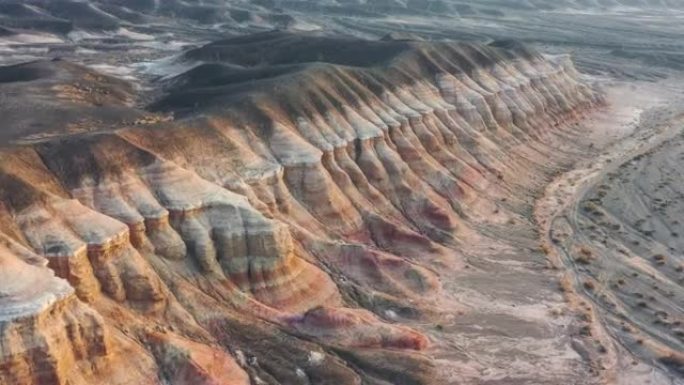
x: 505, y: 320
x: 640, y: 117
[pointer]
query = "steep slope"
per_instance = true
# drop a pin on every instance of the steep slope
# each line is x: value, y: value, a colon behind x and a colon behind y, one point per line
x: 301, y: 227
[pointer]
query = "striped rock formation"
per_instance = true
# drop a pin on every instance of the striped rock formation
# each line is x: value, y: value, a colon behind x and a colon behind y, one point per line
x: 272, y: 216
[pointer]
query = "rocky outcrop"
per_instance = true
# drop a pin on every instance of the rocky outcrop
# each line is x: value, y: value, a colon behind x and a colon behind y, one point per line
x: 49, y: 336
x: 304, y: 212
x: 185, y: 362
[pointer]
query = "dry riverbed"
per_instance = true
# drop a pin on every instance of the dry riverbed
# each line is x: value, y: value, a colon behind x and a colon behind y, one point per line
x: 609, y: 284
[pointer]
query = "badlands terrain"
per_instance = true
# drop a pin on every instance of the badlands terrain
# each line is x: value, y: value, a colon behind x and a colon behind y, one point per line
x: 342, y: 192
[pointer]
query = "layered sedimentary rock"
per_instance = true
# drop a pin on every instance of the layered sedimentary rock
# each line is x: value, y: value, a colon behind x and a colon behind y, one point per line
x: 275, y: 214
x: 49, y: 336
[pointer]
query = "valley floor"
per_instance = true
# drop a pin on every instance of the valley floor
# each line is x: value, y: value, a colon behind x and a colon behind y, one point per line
x: 524, y: 315
x: 642, y: 118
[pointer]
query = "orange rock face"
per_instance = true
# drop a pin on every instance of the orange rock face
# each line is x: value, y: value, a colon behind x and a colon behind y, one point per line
x: 273, y: 223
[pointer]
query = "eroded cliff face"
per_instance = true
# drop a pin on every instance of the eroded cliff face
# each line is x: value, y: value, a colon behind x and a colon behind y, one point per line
x: 297, y: 214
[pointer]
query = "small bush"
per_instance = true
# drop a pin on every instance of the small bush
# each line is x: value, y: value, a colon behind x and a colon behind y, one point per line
x: 589, y: 285
x: 583, y: 260
x: 585, y: 256
x: 545, y: 249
